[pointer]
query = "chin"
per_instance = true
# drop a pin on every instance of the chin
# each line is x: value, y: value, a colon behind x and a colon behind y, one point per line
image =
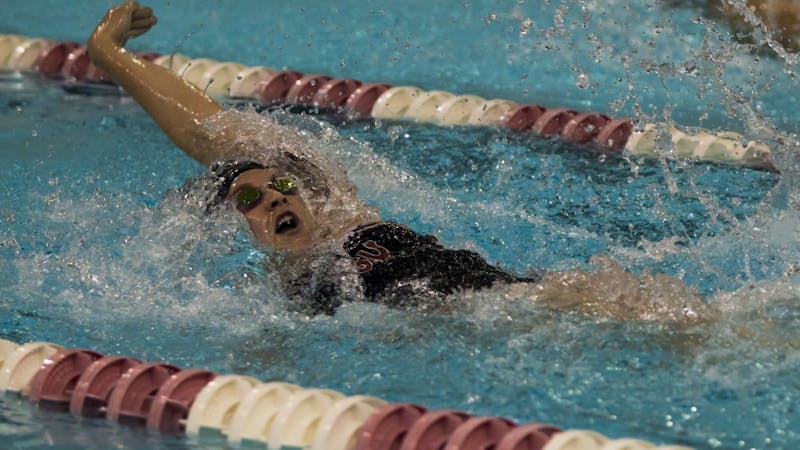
x: 293, y: 243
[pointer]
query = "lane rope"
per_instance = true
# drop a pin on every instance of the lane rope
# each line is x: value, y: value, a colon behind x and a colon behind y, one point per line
x: 69, y: 63
x: 273, y: 415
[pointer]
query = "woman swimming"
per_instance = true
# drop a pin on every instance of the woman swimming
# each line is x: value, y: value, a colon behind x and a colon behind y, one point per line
x: 297, y: 202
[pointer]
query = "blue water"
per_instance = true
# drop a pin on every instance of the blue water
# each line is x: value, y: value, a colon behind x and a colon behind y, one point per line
x: 95, y: 253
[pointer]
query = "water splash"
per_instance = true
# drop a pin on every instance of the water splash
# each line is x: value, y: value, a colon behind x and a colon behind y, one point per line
x: 165, y: 268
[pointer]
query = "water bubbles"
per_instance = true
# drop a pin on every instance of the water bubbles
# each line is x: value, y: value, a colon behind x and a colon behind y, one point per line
x: 9, y: 243
x: 525, y: 27
x: 473, y: 398
x: 617, y: 104
x: 394, y: 132
x: 688, y: 69
x: 559, y: 21
x: 583, y: 80
x: 107, y: 122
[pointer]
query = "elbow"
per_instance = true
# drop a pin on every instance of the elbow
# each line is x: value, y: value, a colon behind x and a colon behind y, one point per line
x: 100, y: 50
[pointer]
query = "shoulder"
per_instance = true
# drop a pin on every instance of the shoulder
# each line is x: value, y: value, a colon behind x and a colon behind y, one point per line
x: 391, y: 235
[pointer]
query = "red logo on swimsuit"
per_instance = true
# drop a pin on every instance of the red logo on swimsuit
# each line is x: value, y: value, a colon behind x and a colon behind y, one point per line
x: 365, y: 259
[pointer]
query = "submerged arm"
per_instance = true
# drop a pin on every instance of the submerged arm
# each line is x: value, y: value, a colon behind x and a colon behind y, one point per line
x: 177, y: 106
x: 611, y: 291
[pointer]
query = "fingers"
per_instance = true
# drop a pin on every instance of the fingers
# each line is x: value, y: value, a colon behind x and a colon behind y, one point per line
x: 142, y: 19
x: 128, y: 5
x: 144, y: 23
x: 141, y: 12
x: 137, y: 32
x: 138, y: 29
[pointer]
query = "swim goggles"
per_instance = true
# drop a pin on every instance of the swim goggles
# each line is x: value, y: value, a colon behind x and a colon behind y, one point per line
x: 248, y: 196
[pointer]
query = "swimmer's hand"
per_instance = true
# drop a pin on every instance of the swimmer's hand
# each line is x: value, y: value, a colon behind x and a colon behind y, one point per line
x: 123, y: 22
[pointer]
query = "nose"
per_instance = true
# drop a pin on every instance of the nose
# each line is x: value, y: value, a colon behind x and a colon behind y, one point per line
x: 276, y: 199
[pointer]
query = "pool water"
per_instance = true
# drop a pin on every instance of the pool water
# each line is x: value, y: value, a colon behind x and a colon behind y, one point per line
x: 96, y: 251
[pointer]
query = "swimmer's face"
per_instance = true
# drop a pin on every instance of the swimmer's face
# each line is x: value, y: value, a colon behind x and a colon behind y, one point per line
x: 277, y: 215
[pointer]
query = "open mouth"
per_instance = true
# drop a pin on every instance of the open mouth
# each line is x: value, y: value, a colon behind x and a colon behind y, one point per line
x: 286, y: 222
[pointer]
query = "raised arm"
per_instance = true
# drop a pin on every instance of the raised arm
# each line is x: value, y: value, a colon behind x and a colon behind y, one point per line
x: 177, y: 106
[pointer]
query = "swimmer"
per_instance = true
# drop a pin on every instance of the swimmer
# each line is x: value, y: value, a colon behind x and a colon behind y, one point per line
x: 297, y: 203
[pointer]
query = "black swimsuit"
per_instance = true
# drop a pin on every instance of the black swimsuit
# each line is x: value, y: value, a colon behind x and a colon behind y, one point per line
x: 396, y: 267
x: 390, y: 258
